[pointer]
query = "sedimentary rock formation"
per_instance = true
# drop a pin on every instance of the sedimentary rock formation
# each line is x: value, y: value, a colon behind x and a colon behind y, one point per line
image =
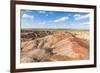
x: 60, y: 46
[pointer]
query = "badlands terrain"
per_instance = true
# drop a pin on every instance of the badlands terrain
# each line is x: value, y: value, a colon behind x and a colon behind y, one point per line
x: 54, y: 45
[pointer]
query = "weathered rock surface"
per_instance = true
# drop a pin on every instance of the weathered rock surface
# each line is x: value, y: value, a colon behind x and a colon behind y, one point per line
x: 55, y: 47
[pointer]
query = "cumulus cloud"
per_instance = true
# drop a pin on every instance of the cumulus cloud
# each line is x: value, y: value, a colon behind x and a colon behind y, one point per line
x: 27, y: 16
x: 77, y: 15
x: 80, y: 17
x: 86, y: 23
x: 61, y: 19
x: 42, y: 23
x: 42, y: 12
x: 47, y: 15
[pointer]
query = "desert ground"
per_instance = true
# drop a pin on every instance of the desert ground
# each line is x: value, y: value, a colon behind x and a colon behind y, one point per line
x: 43, y: 45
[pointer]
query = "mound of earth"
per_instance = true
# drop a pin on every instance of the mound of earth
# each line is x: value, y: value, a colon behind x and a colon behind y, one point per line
x: 55, y: 47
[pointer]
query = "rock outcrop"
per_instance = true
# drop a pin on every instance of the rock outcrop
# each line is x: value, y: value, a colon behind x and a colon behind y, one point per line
x: 60, y: 46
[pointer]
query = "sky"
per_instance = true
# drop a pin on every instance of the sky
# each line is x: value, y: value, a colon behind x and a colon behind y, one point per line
x: 54, y: 19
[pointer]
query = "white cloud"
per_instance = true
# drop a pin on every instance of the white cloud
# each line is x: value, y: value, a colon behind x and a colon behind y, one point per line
x: 42, y: 12
x: 27, y: 20
x: 27, y: 16
x: 69, y: 15
x: 86, y: 23
x: 47, y: 15
x: 77, y: 15
x: 61, y: 19
x: 42, y: 23
x: 80, y: 17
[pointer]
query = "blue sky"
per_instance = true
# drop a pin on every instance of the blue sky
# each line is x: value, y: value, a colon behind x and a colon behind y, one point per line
x: 55, y: 20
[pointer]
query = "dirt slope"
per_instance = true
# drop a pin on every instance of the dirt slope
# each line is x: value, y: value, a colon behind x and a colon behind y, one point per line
x: 55, y: 47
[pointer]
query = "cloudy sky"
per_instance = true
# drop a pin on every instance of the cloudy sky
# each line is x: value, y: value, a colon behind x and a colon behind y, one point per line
x: 54, y: 20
